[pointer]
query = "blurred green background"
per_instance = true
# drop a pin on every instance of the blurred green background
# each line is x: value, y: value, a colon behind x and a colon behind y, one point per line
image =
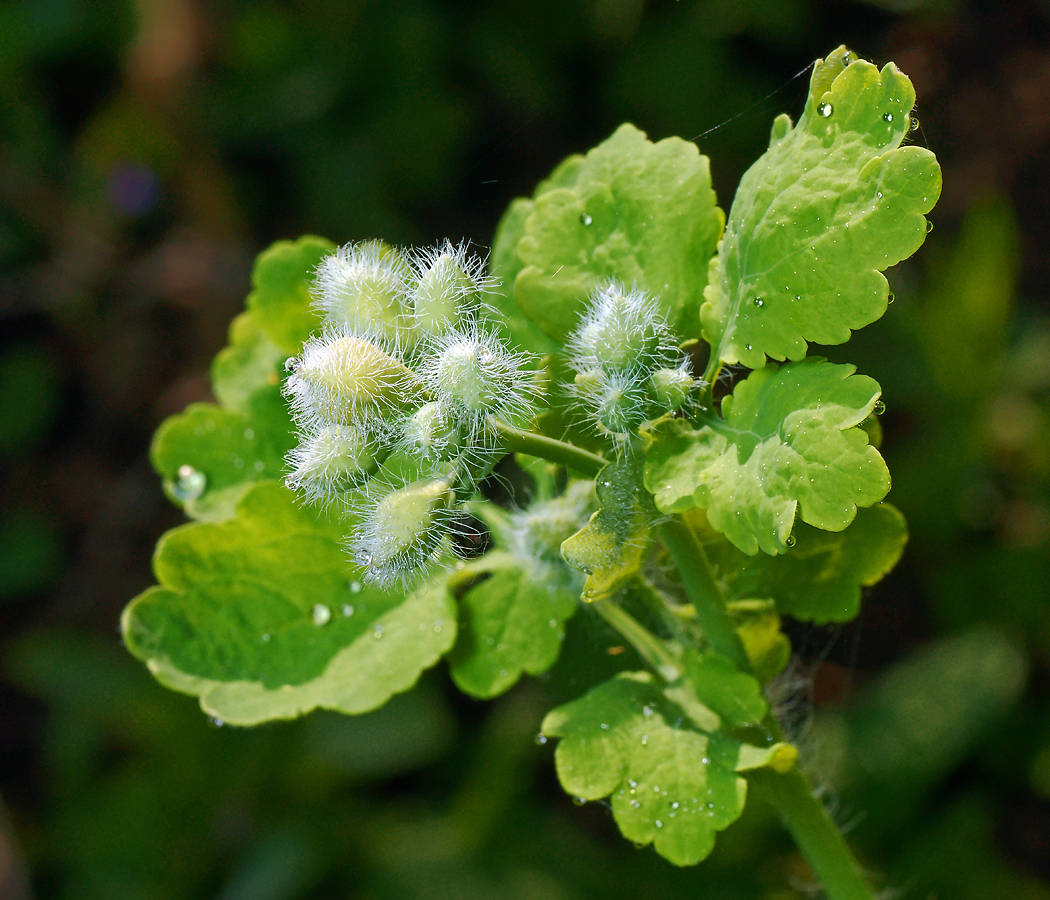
x: 149, y: 149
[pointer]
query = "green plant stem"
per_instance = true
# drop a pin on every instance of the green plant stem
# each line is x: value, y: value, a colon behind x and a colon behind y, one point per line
x: 517, y: 441
x: 663, y: 608
x: 805, y: 817
x: 703, y: 591
x: 649, y: 647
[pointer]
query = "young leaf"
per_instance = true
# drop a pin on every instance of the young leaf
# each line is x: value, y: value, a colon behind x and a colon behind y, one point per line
x: 787, y: 442
x: 832, y: 203
x: 639, y: 212
x: 250, y: 362
x: 671, y: 784
x: 208, y: 456
x: 260, y: 616
x: 511, y: 621
x: 734, y: 695
x: 611, y: 547
x: 819, y: 579
x: 280, y: 298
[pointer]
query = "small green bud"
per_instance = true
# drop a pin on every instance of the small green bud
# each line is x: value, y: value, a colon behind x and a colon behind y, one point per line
x: 332, y: 460
x: 432, y: 433
x: 444, y: 295
x: 405, y: 529
x: 589, y: 384
x: 466, y: 372
x: 540, y: 530
x: 365, y: 286
x: 671, y: 388
x: 621, y: 407
x: 344, y: 380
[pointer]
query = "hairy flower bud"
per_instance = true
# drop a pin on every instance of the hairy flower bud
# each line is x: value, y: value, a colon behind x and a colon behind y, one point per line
x: 333, y: 459
x: 365, y: 286
x: 445, y: 294
x: 622, y: 330
x: 671, y: 387
x: 540, y: 529
x: 404, y: 530
x: 343, y: 379
x: 432, y: 433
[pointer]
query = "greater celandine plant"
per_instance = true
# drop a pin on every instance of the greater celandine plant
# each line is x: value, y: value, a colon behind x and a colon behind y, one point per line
x: 368, y: 392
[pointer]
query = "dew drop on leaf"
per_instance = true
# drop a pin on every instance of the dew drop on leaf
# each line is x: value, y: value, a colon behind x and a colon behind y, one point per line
x: 355, y: 587
x: 540, y: 739
x: 585, y: 219
x: 377, y: 631
x: 880, y: 408
x: 348, y: 610
x: 825, y: 109
x: 890, y: 298
x: 190, y: 484
x: 790, y: 540
x: 929, y: 226
x: 914, y: 124
x: 759, y: 302
x: 266, y: 637
x: 579, y: 801
x: 320, y: 614
x: 887, y: 116
x: 215, y: 722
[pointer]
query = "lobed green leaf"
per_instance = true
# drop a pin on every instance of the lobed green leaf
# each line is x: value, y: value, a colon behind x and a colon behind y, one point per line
x: 820, y: 578
x: 280, y: 298
x: 262, y: 617
x: 788, y: 442
x: 630, y: 209
x: 511, y: 621
x: 671, y: 785
x: 833, y: 202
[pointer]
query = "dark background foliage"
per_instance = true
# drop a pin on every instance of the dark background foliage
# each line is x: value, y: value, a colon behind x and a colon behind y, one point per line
x: 149, y: 149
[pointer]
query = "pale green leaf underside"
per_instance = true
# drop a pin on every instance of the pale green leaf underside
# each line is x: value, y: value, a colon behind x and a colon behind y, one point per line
x: 820, y: 578
x: 670, y: 785
x: 787, y: 443
x: 262, y: 617
x: 632, y: 210
x: 611, y: 547
x: 511, y: 622
x: 833, y: 202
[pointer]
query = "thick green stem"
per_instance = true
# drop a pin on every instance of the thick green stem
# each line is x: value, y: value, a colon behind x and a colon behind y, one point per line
x: 805, y: 817
x: 649, y: 647
x: 517, y: 441
x: 703, y: 591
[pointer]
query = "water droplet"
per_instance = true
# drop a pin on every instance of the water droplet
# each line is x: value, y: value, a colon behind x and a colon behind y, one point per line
x: 540, y: 739
x: 190, y: 485
x: 578, y: 801
x: 825, y: 109
x: 238, y: 463
x: 632, y: 783
x: 215, y: 722
x: 914, y: 126
x: 880, y: 407
x: 887, y: 117
x: 890, y: 298
x: 321, y: 614
x: 605, y: 726
x: 647, y: 711
x: 747, y: 346
x: 929, y: 226
x: 846, y: 60
x: 438, y: 625
x: 790, y: 540
x: 553, y: 623
x: 658, y: 824
x: 355, y: 587
x: 878, y: 194
x: 266, y: 637
x: 585, y: 219
x: 259, y: 465
x: 377, y: 631
x: 798, y: 296
x: 645, y: 739
x: 636, y: 804
x: 675, y: 805
x: 705, y: 762
x: 249, y: 434
x: 348, y: 610
x: 759, y: 302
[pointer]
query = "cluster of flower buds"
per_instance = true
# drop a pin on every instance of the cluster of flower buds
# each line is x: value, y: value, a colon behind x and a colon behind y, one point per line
x: 404, y: 368
x: 629, y: 368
